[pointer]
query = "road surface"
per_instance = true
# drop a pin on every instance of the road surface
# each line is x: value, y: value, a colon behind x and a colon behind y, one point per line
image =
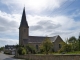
x: 7, y: 57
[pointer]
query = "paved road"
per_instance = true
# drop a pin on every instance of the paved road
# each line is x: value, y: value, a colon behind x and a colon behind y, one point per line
x: 7, y: 57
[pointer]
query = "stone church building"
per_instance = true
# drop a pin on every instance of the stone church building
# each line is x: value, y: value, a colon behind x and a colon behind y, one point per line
x: 35, y: 41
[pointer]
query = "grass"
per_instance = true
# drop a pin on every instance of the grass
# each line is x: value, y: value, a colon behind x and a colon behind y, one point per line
x: 56, y: 53
x: 74, y: 52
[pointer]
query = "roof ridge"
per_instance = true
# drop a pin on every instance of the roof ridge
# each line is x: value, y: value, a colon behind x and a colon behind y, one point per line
x: 44, y: 36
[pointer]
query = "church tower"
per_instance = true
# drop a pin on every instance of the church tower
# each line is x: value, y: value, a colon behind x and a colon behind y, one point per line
x: 23, y: 29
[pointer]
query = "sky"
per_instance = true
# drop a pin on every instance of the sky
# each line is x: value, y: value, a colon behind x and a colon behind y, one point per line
x: 44, y: 17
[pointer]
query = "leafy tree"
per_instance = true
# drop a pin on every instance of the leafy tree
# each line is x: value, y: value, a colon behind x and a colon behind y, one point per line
x: 65, y: 47
x: 2, y: 48
x: 30, y: 49
x: 73, y: 42
x: 21, y: 51
x: 79, y: 43
x: 46, y: 46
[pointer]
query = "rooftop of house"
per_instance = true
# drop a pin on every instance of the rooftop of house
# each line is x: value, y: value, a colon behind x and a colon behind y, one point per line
x: 10, y: 46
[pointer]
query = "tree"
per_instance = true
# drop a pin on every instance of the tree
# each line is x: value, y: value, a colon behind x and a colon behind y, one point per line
x: 73, y: 42
x: 46, y: 46
x: 65, y: 47
x: 21, y: 51
x: 30, y: 49
x: 79, y: 43
x: 2, y: 48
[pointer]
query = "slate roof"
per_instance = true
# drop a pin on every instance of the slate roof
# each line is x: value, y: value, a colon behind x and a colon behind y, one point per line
x: 10, y: 46
x: 39, y: 39
x: 23, y: 20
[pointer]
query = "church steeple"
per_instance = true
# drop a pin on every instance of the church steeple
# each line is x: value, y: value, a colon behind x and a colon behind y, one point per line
x: 23, y: 20
x: 23, y: 29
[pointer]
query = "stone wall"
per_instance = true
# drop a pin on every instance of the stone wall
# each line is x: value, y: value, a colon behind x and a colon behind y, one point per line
x: 50, y: 57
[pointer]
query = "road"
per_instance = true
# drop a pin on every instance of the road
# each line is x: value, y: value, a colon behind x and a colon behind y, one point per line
x: 7, y: 57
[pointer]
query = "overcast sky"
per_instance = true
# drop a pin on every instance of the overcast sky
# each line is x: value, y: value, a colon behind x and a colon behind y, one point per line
x: 45, y: 18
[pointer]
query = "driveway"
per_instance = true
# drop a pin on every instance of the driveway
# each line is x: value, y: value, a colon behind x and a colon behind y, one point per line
x: 7, y: 57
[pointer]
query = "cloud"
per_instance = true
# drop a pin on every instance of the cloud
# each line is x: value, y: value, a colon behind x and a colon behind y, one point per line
x: 34, y: 5
x: 36, y: 27
x: 64, y: 26
x: 8, y: 22
x: 4, y: 42
x: 48, y: 24
x: 76, y: 13
x: 43, y: 25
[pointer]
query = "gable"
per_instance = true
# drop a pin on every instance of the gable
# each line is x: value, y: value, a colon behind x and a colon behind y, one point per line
x: 59, y: 39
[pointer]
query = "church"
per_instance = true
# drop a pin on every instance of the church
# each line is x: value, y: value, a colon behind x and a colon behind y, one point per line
x: 35, y: 41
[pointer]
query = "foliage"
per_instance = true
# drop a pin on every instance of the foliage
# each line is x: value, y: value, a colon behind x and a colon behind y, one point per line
x: 79, y: 43
x: 74, y: 43
x: 71, y: 45
x: 65, y: 47
x: 21, y: 51
x: 30, y: 49
x: 2, y: 48
x: 17, y: 46
x: 46, y: 46
x: 72, y: 40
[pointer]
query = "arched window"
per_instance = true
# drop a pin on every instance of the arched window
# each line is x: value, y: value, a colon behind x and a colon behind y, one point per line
x: 37, y: 47
x: 59, y: 45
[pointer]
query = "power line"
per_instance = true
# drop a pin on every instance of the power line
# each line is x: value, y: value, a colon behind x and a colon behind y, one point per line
x: 68, y: 5
x: 62, y: 4
x: 65, y: 7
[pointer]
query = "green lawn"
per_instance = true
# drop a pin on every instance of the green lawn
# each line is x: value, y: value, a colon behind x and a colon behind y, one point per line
x: 55, y: 53
x: 75, y: 52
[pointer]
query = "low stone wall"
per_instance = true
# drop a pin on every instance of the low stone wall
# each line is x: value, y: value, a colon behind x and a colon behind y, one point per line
x: 49, y: 57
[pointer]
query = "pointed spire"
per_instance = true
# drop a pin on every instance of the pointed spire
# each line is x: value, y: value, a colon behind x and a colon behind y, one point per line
x: 23, y: 20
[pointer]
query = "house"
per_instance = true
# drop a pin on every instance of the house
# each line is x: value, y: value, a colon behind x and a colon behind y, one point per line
x: 10, y: 49
x: 35, y: 41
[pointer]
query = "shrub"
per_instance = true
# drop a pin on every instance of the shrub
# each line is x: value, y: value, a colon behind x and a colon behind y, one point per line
x: 30, y: 49
x: 21, y: 51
